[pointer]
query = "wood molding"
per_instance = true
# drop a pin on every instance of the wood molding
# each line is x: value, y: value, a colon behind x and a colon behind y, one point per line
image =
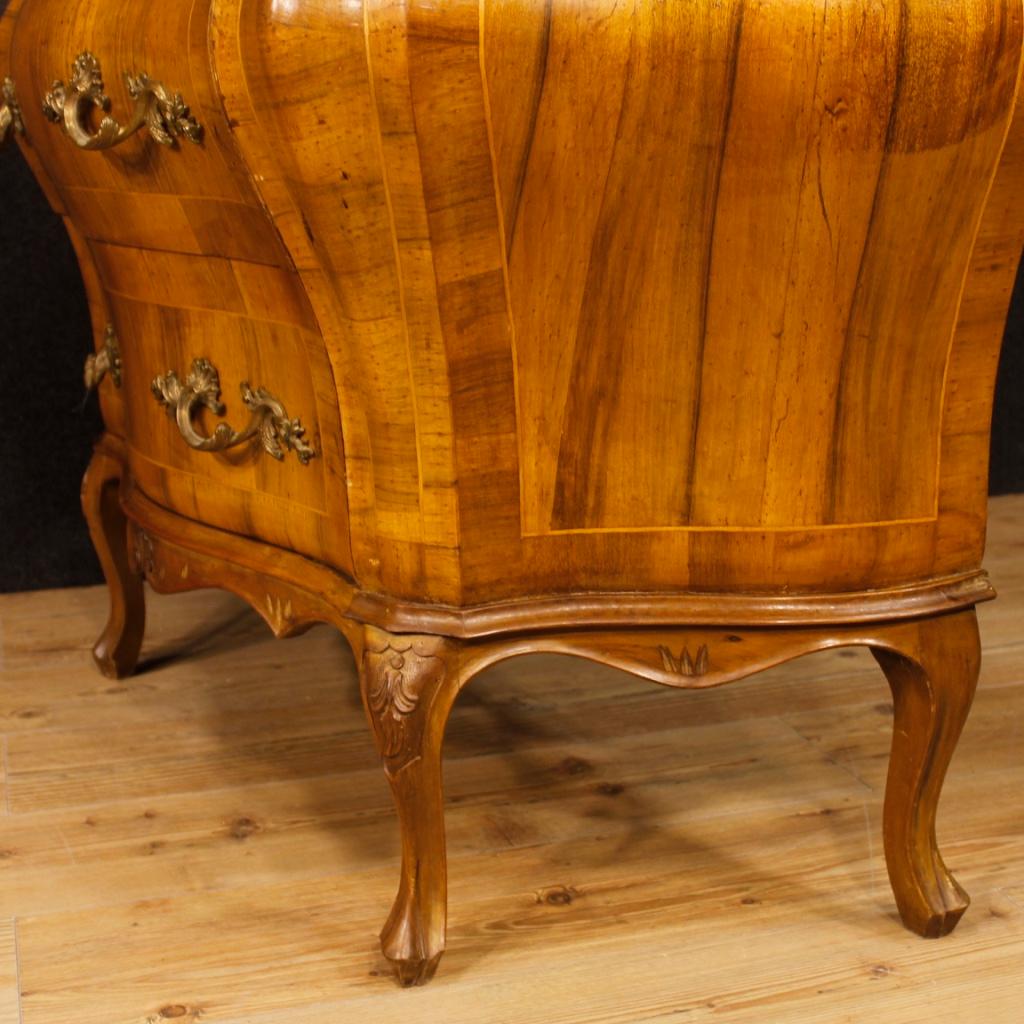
x: 172, y: 568
x: 569, y: 611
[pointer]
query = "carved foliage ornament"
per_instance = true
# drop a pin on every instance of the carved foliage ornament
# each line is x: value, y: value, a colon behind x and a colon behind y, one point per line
x: 10, y: 112
x: 269, y: 419
x: 398, y: 672
x: 164, y: 114
x: 141, y: 556
x: 279, y: 614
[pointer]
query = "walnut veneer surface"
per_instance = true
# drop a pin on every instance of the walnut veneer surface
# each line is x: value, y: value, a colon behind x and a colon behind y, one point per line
x: 663, y: 334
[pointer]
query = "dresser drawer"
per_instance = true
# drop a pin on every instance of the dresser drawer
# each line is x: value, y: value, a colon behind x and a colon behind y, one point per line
x: 182, y: 260
x: 252, y: 326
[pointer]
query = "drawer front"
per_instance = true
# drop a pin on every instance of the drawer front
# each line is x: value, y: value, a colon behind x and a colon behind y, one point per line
x: 82, y: 61
x: 252, y: 326
x: 182, y: 260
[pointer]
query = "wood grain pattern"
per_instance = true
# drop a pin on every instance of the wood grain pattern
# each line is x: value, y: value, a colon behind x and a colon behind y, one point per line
x: 9, y: 995
x: 662, y: 335
x: 483, y: 164
x: 603, y: 298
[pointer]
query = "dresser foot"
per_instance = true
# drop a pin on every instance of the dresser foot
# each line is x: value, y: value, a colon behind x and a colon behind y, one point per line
x: 404, y: 945
x: 409, y: 684
x: 117, y: 650
x: 933, y: 681
x: 413, y: 937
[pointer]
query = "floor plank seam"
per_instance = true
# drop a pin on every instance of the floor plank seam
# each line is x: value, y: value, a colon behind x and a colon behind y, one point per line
x: 127, y: 800
x: 241, y: 887
x: 7, y: 779
x: 1013, y: 899
x: 17, y: 970
x: 827, y: 757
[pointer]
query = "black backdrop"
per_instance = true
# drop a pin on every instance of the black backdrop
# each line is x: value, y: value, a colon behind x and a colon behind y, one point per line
x: 46, y: 433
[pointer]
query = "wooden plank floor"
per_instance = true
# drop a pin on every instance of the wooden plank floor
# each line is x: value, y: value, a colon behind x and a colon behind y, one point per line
x: 213, y: 840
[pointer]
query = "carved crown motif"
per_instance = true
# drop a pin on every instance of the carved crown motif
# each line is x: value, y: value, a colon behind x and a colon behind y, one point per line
x: 685, y: 665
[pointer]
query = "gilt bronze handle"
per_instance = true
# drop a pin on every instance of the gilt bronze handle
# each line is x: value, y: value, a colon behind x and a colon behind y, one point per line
x: 165, y: 114
x: 10, y: 112
x: 269, y: 419
x: 107, y: 360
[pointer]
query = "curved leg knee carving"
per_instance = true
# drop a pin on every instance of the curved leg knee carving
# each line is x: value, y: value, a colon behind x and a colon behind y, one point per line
x: 117, y: 650
x: 409, y: 684
x: 933, y: 686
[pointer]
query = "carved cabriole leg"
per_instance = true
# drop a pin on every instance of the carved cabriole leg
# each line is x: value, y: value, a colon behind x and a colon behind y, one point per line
x: 933, y: 681
x: 932, y: 667
x: 117, y: 650
x: 409, y: 684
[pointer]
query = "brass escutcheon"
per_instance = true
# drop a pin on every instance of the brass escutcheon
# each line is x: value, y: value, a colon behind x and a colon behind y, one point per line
x: 106, y: 360
x: 10, y: 112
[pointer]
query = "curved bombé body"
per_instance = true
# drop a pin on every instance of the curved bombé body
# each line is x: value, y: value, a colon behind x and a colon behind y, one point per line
x: 663, y: 297
x: 670, y: 296
x: 678, y: 318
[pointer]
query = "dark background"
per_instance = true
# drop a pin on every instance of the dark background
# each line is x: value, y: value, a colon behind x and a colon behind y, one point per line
x: 46, y: 434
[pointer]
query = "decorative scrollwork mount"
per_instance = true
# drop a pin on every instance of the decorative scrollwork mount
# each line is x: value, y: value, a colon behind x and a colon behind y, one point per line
x: 107, y: 360
x: 269, y: 419
x: 10, y: 112
x: 165, y: 114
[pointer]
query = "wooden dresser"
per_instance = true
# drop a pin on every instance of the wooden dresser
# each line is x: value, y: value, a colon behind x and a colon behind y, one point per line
x: 662, y: 334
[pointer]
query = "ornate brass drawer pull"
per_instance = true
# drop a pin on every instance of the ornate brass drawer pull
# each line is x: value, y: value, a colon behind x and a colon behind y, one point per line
x: 269, y: 420
x: 165, y: 114
x: 107, y: 360
x: 10, y: 112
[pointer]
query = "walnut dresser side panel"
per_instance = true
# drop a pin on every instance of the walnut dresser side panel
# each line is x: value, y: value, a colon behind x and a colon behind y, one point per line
x: 649, y: 301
